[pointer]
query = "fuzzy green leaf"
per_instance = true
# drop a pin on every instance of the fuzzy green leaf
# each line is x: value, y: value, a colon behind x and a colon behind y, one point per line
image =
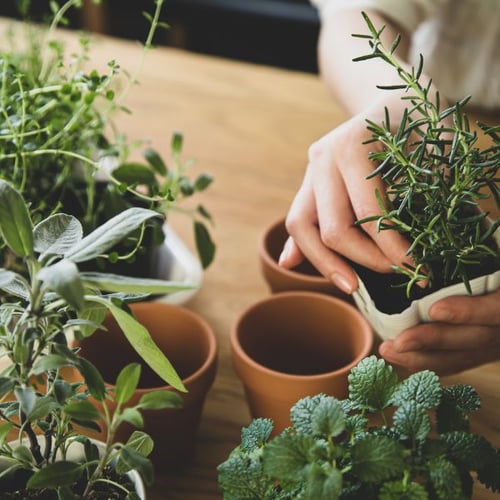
x: 402, y: 490
x: 372, y: 383
x: 489, y: 474
x: 411, y: 421
x: 445, y: 479
x: 57, y: 234
x: 323, y: 483
x: 15, y: 223
x: 471, y: 451
x: 422, y: 387
x: 302, y: 411
x: 328, y: 418
x: 132, y: 459
x: 14, y: 284
x: 464, y: 396
x: 27, y: 398
x: 141, y: 442
x: 62, y: 473
x: 94, y: 314
x: 108, y: 234
x: 256, y: 434
x: 64, y: 279
x: 141, y: 341
x: 126, y: 382
x: 377, y: 458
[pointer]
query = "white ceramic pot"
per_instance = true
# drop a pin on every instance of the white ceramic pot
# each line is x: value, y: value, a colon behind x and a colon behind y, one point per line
x: 388, y: 326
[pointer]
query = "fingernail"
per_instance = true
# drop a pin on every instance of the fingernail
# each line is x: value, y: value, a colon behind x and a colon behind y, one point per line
x: 342, y: 283
x: 285, y: 252
x: 439, y: 313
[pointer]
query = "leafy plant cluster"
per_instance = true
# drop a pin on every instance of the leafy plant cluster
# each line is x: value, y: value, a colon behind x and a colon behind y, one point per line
x: 45, y: 385
x: 60, y: 146
x: 390, y: 439
x: 436, y: 177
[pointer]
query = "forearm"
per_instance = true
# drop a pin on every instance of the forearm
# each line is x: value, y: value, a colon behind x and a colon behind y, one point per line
x: 354, y: 84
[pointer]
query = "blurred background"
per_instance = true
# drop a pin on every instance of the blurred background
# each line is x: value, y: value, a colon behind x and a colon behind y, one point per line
x: 281, y: 33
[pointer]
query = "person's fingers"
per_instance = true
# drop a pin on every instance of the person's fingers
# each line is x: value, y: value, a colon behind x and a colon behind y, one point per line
x: 479, y: 310
x: 441, y: 362
x: 447, y: 337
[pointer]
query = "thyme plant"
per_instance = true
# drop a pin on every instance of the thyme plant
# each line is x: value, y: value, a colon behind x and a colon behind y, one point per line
x: 60, y: 143
x: 436, y: 176
x: 391, y: 439
x: 39, y: 393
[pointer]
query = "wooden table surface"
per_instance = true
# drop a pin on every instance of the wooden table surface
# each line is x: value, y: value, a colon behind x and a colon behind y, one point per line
x: 250, y: 127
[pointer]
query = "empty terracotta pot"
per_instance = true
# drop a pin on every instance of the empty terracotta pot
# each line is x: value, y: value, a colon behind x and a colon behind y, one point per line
x: 190, y: 345
x: 303, y: 277
x: 296, y: 344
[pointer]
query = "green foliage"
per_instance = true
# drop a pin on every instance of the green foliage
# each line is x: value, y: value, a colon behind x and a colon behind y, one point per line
x: 436, y: 177
x: 353, y: 449
x: 53, y: 299
x: 61, y: 147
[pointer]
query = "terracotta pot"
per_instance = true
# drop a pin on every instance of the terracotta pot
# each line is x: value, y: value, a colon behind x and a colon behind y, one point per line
x: 303, y: 277
x: 296, y: 344
x: 389, y: 325
x: 190, y: 345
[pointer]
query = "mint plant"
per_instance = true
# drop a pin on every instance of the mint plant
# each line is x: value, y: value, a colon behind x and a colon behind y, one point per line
x: 37, y: 392
x: 436, y: 177
x: 390, y: 439
x: 61, y: 146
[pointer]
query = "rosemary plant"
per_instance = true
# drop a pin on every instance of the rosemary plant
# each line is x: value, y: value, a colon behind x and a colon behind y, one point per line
x: 436, y: 177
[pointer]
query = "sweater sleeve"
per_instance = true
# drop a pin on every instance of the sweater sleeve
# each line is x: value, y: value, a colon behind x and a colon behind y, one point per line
x: 406, y: 13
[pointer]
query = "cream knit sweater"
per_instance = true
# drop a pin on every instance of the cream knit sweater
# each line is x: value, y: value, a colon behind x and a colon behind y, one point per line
x: 459, y: 40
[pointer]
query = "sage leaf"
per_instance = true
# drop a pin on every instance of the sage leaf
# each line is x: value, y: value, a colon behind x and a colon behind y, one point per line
x: 126, y: 382
x: 158, y: 400
x: 57, y: 234
x: 130, y: 459
x: 15, y: 223
x: 204, y: 244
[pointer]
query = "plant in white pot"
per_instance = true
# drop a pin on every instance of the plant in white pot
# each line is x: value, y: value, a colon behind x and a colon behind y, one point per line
x: 62, y: 147
x: 41, y: 409
x: 436, y: 177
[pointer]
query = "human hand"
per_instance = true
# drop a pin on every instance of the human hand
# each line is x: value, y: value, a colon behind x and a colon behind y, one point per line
x: 333, y: 195
x: 465, y: 334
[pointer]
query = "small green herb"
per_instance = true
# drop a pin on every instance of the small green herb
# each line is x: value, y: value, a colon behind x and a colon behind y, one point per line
x: 391, y: 439
x: 436, y: 177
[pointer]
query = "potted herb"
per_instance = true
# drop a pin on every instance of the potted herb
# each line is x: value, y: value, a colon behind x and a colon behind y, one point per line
x: 61, y: 147
x: 436, y: 177
x: 41, y: 408
x: 381, y: 442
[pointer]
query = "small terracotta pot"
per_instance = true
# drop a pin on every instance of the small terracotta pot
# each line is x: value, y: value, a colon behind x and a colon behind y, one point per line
x: 190, y: 345
x: 303, y: 277
x: 296, y: 344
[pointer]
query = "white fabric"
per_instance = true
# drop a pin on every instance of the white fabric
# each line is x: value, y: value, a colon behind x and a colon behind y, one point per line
x: 459, y: 40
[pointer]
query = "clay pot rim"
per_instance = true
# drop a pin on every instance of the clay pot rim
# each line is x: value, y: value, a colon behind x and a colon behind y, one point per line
x: 210, y: 359
x: 262, y: 249
x: 365, y: 328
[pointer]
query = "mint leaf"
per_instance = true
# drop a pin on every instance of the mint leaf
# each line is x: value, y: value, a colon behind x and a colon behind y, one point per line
x: 489, y: 474
x: 372, y: 383
x: 400, y: 490
x: 377, y: 458
x: 422, y: 387
x: 464, y: 396
x: 445, y: 479
x: 323, y: 483
x: 256, y: 434
x: 328, y: 418
x: 301, y: 413
x: 411, y: 421
x: 470, y: 451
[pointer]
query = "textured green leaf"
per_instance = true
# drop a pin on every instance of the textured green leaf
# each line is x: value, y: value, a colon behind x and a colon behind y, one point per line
x: 445, y: 479
x: 14, y: 284
x: 372, y: 383
x: 489, y: 474
x: 465, y: 397
x: 92, y: 312
x: 15, y: 223
x: 422, y: 387
x: 377, y: 458
x: 256, y: 434
x: 56, y: 234
x: 302, y: 411
x: 411, y: 421
x: 402, y: 490
x: 64, y: 279
x: 471, y: 451
x: 323, y: 483
x: 328, y: 418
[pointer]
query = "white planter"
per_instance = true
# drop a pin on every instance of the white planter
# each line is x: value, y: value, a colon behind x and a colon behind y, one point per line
x: 388, y: 326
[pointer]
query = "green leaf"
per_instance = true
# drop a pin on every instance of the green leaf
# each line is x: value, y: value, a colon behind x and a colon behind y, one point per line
x: 14, y: 284
x: 328, y: 418
x: 126, y: 284
x: 6, y: 385
x: 204, y: 244
x: 133, y: 417
x: 26, y: 397
x: 44, y: 406
x: 377, y: 458
x: 49, y: 362
x: 64, y: 279
x: 93, y: 379
x: 141, y: 341
x: 372, y: 383
x: 108, y: 234
x: 463, y: 396
x: 57, y: 234
x: 302, y: 411
x: 256, y: 434
x: 134, y: 173
x: 5, y: 428
x: 126, y: 382
x: 445, y: 479
x: 323, y: 483
x: 130, y: 459
x: 422, y: 387
x: 402, y: 490
x: 411, y: 421
x: 141, y: 442
x: 82, y: 410
x: 155, y: 160
x: 286, y: 457
x: 94, y: 313
x: 23, y: 454
x: 15, y: 223
x: 202, y: 182
x: 158, y: 400
x: 62, y: 473
x: 470, y: 451
x: 176, y: 143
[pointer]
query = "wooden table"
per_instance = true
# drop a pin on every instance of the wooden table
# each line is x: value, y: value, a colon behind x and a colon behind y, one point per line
x: 250, y: 127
